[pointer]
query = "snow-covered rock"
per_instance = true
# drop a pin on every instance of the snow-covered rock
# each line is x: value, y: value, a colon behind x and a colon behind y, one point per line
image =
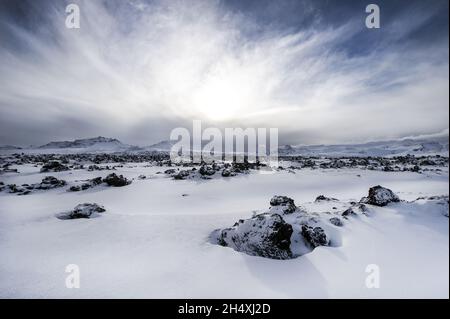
x: 116, y: 180
x: 336, y: 221
x: 54, y: 166
x: 207, y: 170
x: 86, y: 185
x: 282, y: 204
x: 47, y: 183
x: 321, y: 198
x: 265, y: 235
x: 50, y: 182
x: 315, y: 236
x: 380, y: 196
x: 348, y: 212
x: 86, y: 210
x: 227, y: 172
x: 182, y: 174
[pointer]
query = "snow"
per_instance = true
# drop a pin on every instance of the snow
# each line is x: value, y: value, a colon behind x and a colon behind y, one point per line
x: 153, y: 242
x: 435, y: 145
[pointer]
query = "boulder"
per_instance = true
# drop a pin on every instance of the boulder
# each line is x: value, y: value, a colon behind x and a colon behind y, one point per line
x: 315, y: 236
x: 116, y: 180
x: 89, y: 184
x: 227, y: 172
x: 75, y: 188
x: 283, y: 203
x: 54, y: 166
x: 207, y: 170
x: 265, y: 235
x: 336, y: 221
x: 86, y: 210
x: 49, y: 182
x: 380, y: 196
x: 322, y: 198
x: 348, y: 212
x: 183, y: 174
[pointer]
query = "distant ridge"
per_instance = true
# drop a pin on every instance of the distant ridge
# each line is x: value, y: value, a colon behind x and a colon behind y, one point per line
x: 80, y: 143
x: 94, y: 144
x: 438, y: 145
x: 9, y: 147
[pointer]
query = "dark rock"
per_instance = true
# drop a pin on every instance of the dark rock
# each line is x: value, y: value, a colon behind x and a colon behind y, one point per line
x: 47, y: 183
x: 362, y: 207
x: 321, y: 198
x: 286, y: 204
x: 116, y: 181
x: 98, y: 168
x: 380, y: 196
x: 50, y: 182
x: 265, y: 235
x: 86, y: 210
x: 54, y: 166
x: 89, y: 184
x: 348, y: 212
x: 183, y: 174
x: 336, y: 221
x: 314, y: 236
x: 207, y: 170
x: 227, y: 172
x: 96, y: 181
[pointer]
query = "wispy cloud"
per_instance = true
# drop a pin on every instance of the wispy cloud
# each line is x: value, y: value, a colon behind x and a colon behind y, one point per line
x: 136, y: 68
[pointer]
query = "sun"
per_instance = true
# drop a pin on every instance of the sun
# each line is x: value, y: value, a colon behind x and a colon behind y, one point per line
x: 222, y: 96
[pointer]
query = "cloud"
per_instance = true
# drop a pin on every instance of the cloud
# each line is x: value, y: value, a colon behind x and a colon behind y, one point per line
x: 137, y: 69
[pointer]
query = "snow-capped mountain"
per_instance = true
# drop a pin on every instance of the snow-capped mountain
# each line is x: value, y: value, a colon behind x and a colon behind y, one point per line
x: 96, y: 144
x: 431, y: 145
x: 80, y: 143
x: 163, y: 146
x: 424, y: 145
x: 414, y: 146
x: 9, y: 147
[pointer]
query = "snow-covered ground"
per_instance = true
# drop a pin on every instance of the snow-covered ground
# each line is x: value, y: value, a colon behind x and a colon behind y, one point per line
x: 152, y: 241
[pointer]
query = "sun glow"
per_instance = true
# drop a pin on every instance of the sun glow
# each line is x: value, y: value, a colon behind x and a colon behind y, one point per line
x: 219, y: 99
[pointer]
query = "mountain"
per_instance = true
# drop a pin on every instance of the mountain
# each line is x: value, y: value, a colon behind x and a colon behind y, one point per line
x: 415, y: 146
x: 9, y: 147
x: 163, y: 146
x: 422, y: 145
x: 96, y: 144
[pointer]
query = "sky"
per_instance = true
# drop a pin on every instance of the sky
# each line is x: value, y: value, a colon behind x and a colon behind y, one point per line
x: 137, y: 69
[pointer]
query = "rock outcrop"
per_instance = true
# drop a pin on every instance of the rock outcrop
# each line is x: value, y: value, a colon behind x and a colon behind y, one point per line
x: 380, y: 196
x: 85, y: 210
x: 265, y: 235
x: 283, y: 204
x: 315, y: 236
x: 116, y: 180
x: 54, y: 166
